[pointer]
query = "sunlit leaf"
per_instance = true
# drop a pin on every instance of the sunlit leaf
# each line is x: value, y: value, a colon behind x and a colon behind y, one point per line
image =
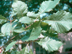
x: 50, y: 44
x: 60, y: 21
x: 33, y: 15
x: 47, y: 6
x: 26, y: 20
x: 6, y: 29
x: 19, y: 30
x: 19, y: 8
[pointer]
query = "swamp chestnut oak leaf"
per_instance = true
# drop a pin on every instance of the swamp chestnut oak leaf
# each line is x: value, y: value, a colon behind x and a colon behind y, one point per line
x: 16, y: 24
x: 6, y: 29
x: 17, y: 27
x: 19, y: 8
x: 2, y: 19
x: 35, y: 24
x: 50, y: 44
x: 47, y: 6
x: 60, y: 21
x: 10, y: 45
x: 26, y: 20
x: 32, y: 15
x: 35, y: 33
x: 19, y: 30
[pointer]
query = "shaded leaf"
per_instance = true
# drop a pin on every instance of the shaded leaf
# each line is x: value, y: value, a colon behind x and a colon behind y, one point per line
x: 10, y: 45
x: 25, y: 50
x: 21, y: 52
x: 35, y: 24
x: 50, y: 44
x: 35, y: 33
x: 13, y: 51
x: 60, y: 21
x: 17, y: 25
x: 1, y: 35
x: 2, y: 19
x: 53, y: 35
x: 6, y: 29
x: 44, y: 26
x: 19, y: 30
x: 47, y: 6
x: 26, y: 20
x: 25, y: 37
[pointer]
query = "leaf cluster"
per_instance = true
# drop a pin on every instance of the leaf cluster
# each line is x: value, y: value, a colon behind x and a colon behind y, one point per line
x: 46, y: 28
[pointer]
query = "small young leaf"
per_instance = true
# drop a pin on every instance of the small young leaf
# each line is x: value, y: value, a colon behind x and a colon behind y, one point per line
x: 2, y: 19
x: 50, y: 44
x: 26, y: 20
x: 10, y: 45
x: 32, y: 15
x: 47, y: 6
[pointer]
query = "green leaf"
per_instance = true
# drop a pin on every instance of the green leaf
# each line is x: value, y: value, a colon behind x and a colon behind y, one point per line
x: 18, y: 25
x: 19, y: 30
x: 25, y: 50
x: 35, y: 24
x: 1, y: 35
x: 53, y: 35
x: 6, y: 29
x: 33, y: 15
x: 50, y: 44
x: 10, y: 45
x: 60, y: 21
x: 13, y: 13
x: 47, y: 6
x: 34, y: 34
x: 26, y: 20
x: 19, y: 8
x: 2, y: 19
